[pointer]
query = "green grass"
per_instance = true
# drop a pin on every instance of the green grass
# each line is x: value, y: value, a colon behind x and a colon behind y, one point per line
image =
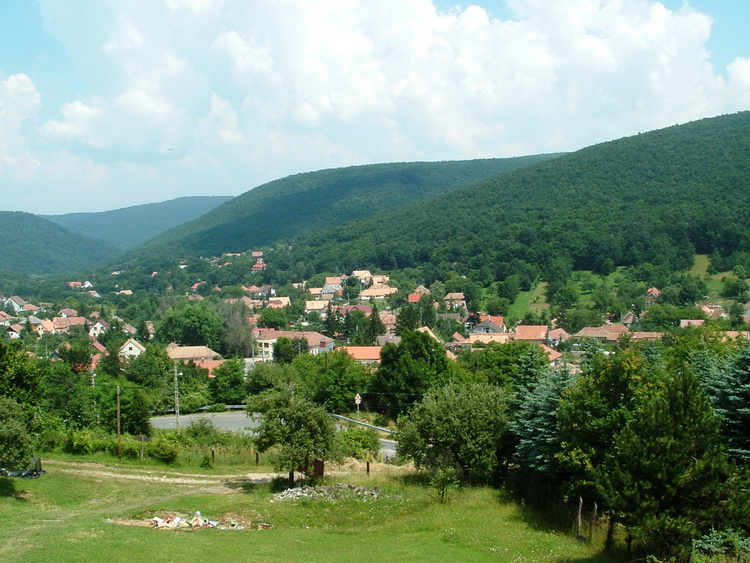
x: 88, y: 512
x: 533, y: 300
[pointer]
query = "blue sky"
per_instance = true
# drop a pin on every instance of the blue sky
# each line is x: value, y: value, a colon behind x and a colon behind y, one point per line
x: 110, y: 104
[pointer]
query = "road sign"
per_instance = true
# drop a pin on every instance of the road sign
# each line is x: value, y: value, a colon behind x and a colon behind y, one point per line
x: 357, y: 399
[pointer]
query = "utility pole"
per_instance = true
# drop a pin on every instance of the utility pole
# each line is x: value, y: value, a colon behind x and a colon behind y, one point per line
x: 119, y: 428
x: 176, y: 398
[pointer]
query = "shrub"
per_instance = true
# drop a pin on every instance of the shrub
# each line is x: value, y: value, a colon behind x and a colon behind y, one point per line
x: 51, y: 440
x: 162, y: 450
x: 81, y: 442
x: 359, y: 443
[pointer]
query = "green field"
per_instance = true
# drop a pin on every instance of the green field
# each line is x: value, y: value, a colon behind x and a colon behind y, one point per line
x: 97, y: 512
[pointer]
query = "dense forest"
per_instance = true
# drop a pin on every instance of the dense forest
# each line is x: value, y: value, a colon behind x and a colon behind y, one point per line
x: 38, y: 246
x: 302, y: 204
x: 655, y: 198
x: 130, y: 226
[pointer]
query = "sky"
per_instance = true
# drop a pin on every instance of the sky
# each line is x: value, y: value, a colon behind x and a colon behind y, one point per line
x: 106, y: 104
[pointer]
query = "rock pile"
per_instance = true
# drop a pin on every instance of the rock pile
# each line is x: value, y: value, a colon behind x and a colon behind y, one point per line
x: 336, y: 492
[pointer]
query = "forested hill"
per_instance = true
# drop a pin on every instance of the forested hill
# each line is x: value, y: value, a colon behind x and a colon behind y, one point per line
x: 37, y: 246
x: 653, y: 198
x: 130, y: 226
x: 304, y: 203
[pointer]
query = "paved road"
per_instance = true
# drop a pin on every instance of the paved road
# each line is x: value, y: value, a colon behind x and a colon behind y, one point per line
x: 238, y: 421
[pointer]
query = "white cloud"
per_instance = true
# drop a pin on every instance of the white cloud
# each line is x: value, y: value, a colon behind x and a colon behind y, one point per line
x: 255, y: 90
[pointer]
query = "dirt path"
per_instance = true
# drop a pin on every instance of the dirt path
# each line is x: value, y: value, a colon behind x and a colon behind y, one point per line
x: 154, y: 475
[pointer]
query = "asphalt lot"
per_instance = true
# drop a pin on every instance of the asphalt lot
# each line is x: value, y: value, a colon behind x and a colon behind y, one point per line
x: 238, y: 421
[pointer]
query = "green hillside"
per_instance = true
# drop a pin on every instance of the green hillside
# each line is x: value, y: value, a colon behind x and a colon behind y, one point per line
x: 302, y: 204
x: 38, y: 246
x: 653, y: 198
x: 130, y: 226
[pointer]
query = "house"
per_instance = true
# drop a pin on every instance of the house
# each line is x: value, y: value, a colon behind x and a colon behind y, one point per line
x: 331, y: 290
x: 629, y: 318
x: 557, y: 335
x: 344, y: 310
x: 455, y: 300
x: 67, y: 312
x: 99, y: 328
x: 379, y: 293
x: 489, y: 324
x: 684, y: 323
x: 63, y: 324
x: 317, y: 306
x: 279, y: 302
x: 45, y: 327
x: 131, y: 349
x: 364, y: 276
x: 187, y: 353
x: 389, y: 321
x: 265, y: 338
x: 15, y: 304
x: 531, y: 333
x: 714, y: 311
x: 14, y: 331
x: 209, y: 366
x: 5, y: 318
x: 609, y: 332
x: 640, y: 335
x: 363, y: 354
x: 489, y: 338
x: 553, y: 355
x: 652, y: 296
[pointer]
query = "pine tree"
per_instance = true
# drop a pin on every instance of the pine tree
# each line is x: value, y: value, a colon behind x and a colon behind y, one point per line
x: 736, y: 413
x: 667, y: 477
x: 375, y: 326
x: 407, y: 320
x: 536, y: 423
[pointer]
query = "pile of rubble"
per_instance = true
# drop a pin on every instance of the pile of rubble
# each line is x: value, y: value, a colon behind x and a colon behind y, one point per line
x: 199, y: 521
x: 331, y: 493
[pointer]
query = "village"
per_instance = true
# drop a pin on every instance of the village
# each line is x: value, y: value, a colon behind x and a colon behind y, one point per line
x: 376, y: 295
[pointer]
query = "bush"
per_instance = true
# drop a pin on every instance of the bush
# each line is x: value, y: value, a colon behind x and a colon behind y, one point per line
x: 51, y: 440
x: 359, y: 443
x: 162, y: 450
x: 81, y: 442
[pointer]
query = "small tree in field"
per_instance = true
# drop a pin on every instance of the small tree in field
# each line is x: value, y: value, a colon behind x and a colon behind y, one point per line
x: 461, y: 428
x: 301, y: 430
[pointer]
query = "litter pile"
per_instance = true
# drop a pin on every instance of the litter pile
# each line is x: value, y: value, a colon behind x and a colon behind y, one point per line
x: 331, y: 493
x: 199, y: 521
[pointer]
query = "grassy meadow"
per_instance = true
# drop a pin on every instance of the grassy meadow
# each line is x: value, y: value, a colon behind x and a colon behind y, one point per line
x: 82, y: 511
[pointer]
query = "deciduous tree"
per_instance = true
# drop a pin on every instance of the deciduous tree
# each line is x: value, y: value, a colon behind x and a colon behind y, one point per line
x: 461, y: 427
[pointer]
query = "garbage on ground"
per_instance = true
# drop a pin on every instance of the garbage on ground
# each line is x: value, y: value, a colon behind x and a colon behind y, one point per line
x: 331, y: 493
x: 32, y: 471
x: 197, y: 520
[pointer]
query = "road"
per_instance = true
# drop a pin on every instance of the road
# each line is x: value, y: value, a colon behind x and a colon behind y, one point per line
x: 238, y: 421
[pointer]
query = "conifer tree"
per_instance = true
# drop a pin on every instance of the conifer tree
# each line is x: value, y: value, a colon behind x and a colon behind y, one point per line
x: 667, y: 478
